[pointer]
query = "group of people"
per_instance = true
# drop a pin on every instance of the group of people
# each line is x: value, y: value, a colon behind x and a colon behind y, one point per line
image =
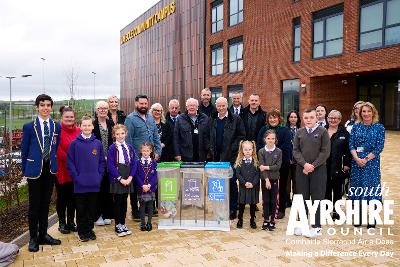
x: 100, y: 163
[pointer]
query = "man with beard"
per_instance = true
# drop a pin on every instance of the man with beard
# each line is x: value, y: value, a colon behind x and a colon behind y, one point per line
x: 191, y: 134
x: 141, y: 129
x: 206, y: 106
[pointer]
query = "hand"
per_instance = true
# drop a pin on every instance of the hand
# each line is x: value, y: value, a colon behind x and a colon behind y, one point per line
x: 162, y: 145
x: 308, y: 167
x: 178, y: 158
x: 305, y: 172
x: 264, y: 168
x: 267, y: 184
x: 346, y: 168
x: 123, y: 182
x: 157, y: 157
x: 250, y: 185
x: 360, y: 162
x: 129, y: 180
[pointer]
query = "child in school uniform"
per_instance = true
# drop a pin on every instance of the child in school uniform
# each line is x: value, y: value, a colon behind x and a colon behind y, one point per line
x: 146, y: 184
x: 86, y: 164
x: 270, y: 162
x: 247, y: 172
x: 311, y: 149
x: 121, y: 166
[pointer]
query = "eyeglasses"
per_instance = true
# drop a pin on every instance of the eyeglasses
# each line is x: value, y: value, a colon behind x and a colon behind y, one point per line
x: 102, y: 109
x: 157, y: 110
x: 333, y: 118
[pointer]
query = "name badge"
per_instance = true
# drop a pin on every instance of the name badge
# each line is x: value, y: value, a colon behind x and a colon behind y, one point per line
x: 342, y: 137
x: 196, y: 131
x: 360, y: 149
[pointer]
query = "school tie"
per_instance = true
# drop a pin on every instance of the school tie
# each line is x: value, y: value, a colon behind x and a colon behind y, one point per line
x: 236, y: 111
x: 309, y: 130
x: 146, y: 162
x: 46, y: 144
x: 247, y: 161
x: 320, y: 123
x: 125, y: 153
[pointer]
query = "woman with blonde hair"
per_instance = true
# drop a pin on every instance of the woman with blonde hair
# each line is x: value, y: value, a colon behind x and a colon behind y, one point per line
x: 164, y: 130
x: 366, y: 144
x: 114, y: 114
x: 354, y: 117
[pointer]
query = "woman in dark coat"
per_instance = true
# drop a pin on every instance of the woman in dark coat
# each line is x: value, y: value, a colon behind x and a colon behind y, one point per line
x: 293, y: 122
x: 163, y: 130
x: 103, y: 132
x: 284, y: 136
x: 114, y: 114
x: 339, y: 161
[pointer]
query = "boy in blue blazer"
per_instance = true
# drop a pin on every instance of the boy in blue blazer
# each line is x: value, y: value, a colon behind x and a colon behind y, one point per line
x: 39, y: 145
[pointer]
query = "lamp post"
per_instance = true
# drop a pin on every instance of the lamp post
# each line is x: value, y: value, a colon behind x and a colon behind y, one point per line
x: 10, y: 125
x: 94, y: 91
x: 43, y: 60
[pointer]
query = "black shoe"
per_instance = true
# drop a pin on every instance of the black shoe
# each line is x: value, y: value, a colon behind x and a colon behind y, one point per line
x: 149, y: 227
x: 289, y: 203
x: 265, y: 225
x: 48, y: 240
x: 72, y: 226
x: 92, y: 235
x: 232, y: 216
x: 253, y: 224
x: 63, y: 228
x: 135, y: 215
x: 33, y: 245
x: 143, y: 227
x: 239, y: 224
x: 281, y: 215
x: 84, y: 237
x: 271, y: 226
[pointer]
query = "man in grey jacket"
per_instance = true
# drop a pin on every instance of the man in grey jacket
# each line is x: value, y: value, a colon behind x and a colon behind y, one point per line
x: 141, y: 129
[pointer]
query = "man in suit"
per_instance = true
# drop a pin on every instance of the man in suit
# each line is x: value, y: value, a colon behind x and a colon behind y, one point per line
x: 39, y: 145
x: 170, y: 119
x: 236, y: 107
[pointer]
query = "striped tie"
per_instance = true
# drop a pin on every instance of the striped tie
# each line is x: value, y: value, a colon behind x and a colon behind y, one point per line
x: 46, y: 144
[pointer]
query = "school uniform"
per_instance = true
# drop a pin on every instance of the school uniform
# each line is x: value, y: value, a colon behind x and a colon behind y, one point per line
x: 121, y: 163
x: 312, y: 145
x: 38, y: 153
x: 272, y: 158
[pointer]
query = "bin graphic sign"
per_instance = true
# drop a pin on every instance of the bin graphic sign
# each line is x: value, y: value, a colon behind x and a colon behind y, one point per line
x: 168, y: 187
x: 191, y: 189
x: 216, y: 189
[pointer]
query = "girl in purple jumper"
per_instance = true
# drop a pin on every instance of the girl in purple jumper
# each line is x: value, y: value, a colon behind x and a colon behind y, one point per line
x: 146, y: 182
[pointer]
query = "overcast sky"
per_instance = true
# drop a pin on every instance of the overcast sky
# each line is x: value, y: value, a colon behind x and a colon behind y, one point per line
x: 76, y: 34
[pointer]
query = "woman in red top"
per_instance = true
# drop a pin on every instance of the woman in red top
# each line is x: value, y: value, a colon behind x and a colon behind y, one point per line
x: 64, y: 185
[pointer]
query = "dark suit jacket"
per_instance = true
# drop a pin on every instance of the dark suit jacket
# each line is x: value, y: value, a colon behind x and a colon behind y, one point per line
x: 96, y: 130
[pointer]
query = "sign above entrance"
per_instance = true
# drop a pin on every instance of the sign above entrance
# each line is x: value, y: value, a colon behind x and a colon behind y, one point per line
x: 150, y: 22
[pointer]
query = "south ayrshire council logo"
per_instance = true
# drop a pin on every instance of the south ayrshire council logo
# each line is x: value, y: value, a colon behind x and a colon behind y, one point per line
x: 351, y: 213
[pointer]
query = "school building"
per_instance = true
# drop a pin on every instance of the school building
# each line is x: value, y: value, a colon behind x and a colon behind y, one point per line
x: 293, y: 53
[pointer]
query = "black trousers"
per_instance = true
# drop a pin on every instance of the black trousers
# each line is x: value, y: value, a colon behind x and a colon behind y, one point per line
x: 283, y: 178
x: 134, y: 201
x: 270, y: 200
x: 312, y: 185
x: 334, y: 188
x: 252, y: 211
x: 120, y: 207
x: 65, y: 204
x: 291, y: 182
x: 146, y: 205
x: 105, y: 204
x: 40, y: 191
x: 85, y: 211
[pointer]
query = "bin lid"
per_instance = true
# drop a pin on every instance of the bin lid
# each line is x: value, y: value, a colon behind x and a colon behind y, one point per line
x: 218, y: 165
x: 169, y: 165
x: 192, y: 165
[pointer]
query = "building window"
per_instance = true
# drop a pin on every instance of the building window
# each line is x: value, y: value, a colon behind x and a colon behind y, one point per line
x: 296, y: 39
x: 379, y: 23
x: 328, y: 32
x: 290, y: 96
x: 217, y: 59
x: 217, y: 16
x: 215, y: 93
x: 236, y: 54
x: 235, y: 12
x: 238, y: 88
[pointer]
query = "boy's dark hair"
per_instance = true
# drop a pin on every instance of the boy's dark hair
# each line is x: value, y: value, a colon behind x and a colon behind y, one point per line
x: 139, y: 97
x: 64, y: 109
x: 42, y: 98
x: 308, y: 110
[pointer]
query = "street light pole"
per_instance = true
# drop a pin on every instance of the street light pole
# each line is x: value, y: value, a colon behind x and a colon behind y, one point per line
x: 94, y: 91
x: 43, y: 59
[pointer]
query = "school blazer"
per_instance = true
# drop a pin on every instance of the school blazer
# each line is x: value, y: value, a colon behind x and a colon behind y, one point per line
x: 32, y: 148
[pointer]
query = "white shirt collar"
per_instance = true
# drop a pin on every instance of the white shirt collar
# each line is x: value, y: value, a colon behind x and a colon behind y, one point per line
x: 312, y: 129
x: 248, y: 159
x: 270, y: 150
x: 42, y: 120
x: 142, y: 159
x: 225, y: 116
x: 85, y: 137
x: 120, y: 144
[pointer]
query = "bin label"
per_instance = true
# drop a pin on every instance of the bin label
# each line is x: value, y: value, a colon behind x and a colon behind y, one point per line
x: 216, y: 189
x: 191, y: 189
x: 168, y: 187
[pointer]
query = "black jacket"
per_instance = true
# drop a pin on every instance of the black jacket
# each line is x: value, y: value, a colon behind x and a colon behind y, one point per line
x: 233, y: 111
x: 96, y: 130
x: 260, y: 114
x: 183, y: 145
x: 233, y: 132
x: 209, y: 110
x: 120, y: 117
x: 166, y: 139
x: 340, y: 153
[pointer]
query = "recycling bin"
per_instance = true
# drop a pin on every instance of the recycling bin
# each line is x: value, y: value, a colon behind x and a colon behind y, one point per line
x: 168, y: 195
x: 192, y: 195
x: 217, y: 176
